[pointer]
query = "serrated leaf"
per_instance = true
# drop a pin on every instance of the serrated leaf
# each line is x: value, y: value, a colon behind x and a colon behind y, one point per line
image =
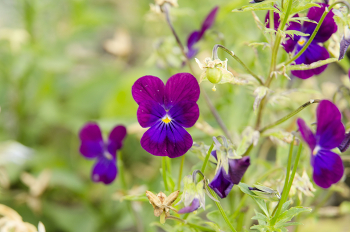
x: 301, y: 19
x: 260, y: 216
x: 295, y: 32
x: 266, y: 5
x: 261, y: 228
x: 299, y: 6
x: 262, y: 205
x: 259, y: 93
x: 285, y: 206
x: 289, y: 214
x: 311, y: 66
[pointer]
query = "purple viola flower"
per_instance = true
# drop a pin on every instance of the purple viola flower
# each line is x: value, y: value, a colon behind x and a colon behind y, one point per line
x: 315, y: 52
x: 167, y: 109
x: 328, y: 166
x: 93, y: 147
x: 223, y: 182
x: 195, y: 36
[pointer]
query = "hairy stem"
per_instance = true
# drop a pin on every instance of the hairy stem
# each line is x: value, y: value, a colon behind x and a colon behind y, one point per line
x: 234, y: 56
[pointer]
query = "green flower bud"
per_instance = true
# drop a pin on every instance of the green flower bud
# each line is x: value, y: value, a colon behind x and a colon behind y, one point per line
x: 214, y: 75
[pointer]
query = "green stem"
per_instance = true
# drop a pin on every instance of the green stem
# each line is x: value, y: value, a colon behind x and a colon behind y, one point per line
x: 164, y: 173
x: 207, y: 158
x: 287, y: 186
x: 234, y: 56
x: 223, y: 214
x: 180, y: 172
x: 285, y: 118
x: 315, y: 31
x: 121, y: 171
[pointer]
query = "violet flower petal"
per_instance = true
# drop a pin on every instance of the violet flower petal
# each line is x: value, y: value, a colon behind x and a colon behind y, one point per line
x: 307, y: 134
x: 149, y: 112
x: 328, y: 168
x: 312, y: 54
x: 291, y: 42
x: 191, y: 41
x: 105, y: 171
x: 208, y: 22
x: 327, y: 28
x: 237, y: 168
x: 326, y: 113
x: 332, y: 136
x: 148, y: 88
x: 166, y: 140
x: 221, y: 183
x: 185, y: 113
x: 188, y: 209
x: 344, y: 44
x: 276, y: 20
x: 115, y: 139
x: 213, y: 153
x: 91, y: 141
x: 345, y: 143
x: 181, y: 87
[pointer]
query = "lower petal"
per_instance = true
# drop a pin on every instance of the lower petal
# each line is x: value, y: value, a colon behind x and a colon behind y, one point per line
x: 188, y: 209
x: 328, y: 168
x: 221, y: 183
x: 166, y: 139
x: 237, y: 168
x: 105, y: 171
x: 307, y: 134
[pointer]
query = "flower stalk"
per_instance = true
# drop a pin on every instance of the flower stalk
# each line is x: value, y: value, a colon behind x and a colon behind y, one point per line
x: 164, y: 173
x: 180, y: 172
x: 207, y: 158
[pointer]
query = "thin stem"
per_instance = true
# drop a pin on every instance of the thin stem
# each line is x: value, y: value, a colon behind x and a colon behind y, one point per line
x: 287, y: 186
x: 164, y: 173
x: 241, y: 204
x: 207, y: 158
x: 202, y: 228
x: 285, y: 118
x: 223, y: 214
x: 180, y: 172
x: 316, y: 30
x: 234, y: 56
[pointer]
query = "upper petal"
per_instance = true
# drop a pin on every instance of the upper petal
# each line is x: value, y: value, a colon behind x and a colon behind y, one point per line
x: 312, y: 54
x: 208, y: 22
x: 91, y: 140
x: 188, y: 209
x: 328, y: 26
x: 164, y: 139
x: 192, y: 40
x: 291, y: 42
x: 221, y: 183
x: 149, y: 112
x: 276, y: 20
x: 181, y: 87
x: 328, y: 168
x: 237, y: 168
x: 307, y: 134
x: 115, y: 139
x: 105, y: 171
x: 186, y: 113
x: 148, y: 88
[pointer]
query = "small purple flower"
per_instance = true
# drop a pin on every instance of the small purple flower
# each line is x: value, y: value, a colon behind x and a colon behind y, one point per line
x: 315, y: 52
x: 167, y: 109
x: 344, y: 43
x: 195, y: 36
x: 192, y: 207
x: 223, y: 182
x: 328, y: 166
x: 93, y: 147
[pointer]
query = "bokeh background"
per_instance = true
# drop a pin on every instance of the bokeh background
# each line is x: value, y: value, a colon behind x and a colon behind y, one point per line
x: 64, y: 63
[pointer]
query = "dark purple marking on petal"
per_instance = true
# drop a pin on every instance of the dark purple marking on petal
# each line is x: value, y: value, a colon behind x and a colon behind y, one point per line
x: 181, y: 87
x: 312, y: 54
x: 91, y: 141
x: 148, y: 88
x: 164, y: 139
x: 327, y: 28
x: 326, y: 114
x: 276, y: 20
x: 328, y: 168
x: 307, y: 134
x: 149, y: 112
x: 188, y: 209
x: 185, y: 113
x: 344, y: 44
x: 115, y: 139
x: 221, y: 183
x: 345, y: 143
x: 105, y: 171
x: 208, y: 22
x: 237, y: 168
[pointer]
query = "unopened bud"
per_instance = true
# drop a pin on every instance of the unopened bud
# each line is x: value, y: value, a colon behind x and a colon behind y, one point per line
x: 214, y: 75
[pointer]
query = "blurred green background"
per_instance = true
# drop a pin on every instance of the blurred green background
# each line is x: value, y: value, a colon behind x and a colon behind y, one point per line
x: 63, y: 63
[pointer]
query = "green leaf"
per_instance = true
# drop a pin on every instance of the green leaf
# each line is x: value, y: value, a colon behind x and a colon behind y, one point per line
x: 295, y: 32
x: 244, y: 188
x: 301, y: 19
x: 261, y: 228
x: 289, y: 214
x: 311, y: 66
x: 266, y: 5
x: 301, y: 5
x: 285, y: 206
x: 260, y: 216
x: 262, y: 205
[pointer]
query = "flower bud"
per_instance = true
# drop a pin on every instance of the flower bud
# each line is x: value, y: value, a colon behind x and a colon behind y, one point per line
x: 214, y: 75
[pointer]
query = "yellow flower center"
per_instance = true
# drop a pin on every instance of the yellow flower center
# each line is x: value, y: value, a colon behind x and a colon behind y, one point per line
x: 166, y: 119
x: 301, y: 41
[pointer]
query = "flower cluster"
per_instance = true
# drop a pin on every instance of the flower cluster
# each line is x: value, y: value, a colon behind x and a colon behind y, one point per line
x: 93, y: 147
x: 328, y: 166
x: 167, y: 109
